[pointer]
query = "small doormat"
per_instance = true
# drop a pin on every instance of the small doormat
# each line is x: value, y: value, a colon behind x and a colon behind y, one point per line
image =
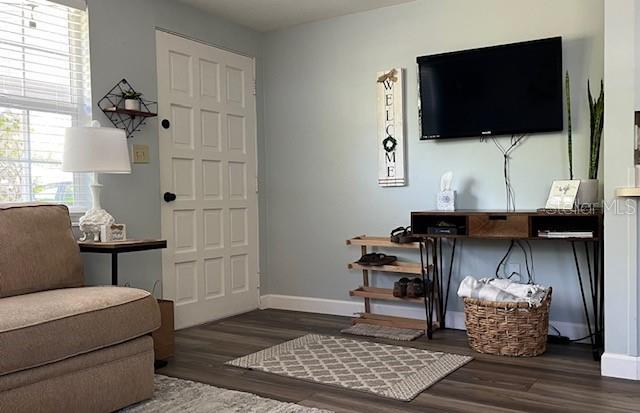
x: 395, y: 372
x: 373, y: 330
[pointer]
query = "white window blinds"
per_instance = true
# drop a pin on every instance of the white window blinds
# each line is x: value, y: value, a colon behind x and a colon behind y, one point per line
x: 76, y: 4
x: 44, y: 87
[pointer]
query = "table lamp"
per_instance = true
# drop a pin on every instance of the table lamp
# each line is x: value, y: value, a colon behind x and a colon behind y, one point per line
x: 96, y: 150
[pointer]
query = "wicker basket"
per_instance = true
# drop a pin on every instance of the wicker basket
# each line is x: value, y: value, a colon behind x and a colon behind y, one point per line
x: 507, y: 329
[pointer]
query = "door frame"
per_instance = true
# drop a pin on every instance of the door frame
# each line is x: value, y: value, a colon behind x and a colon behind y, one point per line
x: 253, y: 137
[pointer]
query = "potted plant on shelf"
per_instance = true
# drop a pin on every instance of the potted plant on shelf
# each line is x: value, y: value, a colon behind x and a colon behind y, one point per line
x: 588, y: 192
x: 131, y: 100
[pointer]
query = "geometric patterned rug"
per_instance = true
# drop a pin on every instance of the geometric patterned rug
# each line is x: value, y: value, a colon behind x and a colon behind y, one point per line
x: 183, y: 396
x: 395, y: 372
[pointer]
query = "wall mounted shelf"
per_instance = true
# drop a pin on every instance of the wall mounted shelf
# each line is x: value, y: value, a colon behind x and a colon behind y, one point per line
x: 113, y: 106
x: 628, y: 192
x: 130, y: 112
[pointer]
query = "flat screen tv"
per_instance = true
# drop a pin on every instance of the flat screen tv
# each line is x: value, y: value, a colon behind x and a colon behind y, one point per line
x: 500, y: 90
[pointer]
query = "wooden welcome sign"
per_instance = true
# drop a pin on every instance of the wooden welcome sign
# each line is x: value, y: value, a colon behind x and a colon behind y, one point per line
x: 391, y: 169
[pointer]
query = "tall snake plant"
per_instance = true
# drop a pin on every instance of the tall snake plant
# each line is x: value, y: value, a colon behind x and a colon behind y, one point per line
x: 596, y: 112
x: 567, y: 87
x: 596, y: 116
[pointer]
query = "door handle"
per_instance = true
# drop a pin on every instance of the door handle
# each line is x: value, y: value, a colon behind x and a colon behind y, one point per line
x: 165, y: 123
x: 169, y: 197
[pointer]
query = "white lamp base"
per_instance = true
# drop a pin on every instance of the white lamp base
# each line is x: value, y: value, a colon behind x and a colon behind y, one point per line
x: 92, y: 221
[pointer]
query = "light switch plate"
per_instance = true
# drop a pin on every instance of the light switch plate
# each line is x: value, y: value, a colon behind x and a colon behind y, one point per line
x: 140, y: 153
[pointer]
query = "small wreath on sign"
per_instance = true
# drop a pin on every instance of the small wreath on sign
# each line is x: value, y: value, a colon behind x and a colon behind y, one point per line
x: 389, y: 144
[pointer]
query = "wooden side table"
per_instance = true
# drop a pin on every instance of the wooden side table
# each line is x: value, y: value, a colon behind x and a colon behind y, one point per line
x: 118, y: 247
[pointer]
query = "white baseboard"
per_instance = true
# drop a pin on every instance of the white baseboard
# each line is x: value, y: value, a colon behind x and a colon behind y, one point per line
x: 310, y: 304
x: 620, y: 366
x: 454, y: 319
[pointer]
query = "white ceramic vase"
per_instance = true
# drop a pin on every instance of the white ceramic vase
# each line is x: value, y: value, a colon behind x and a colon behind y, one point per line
x: 132, y: 104
x: 588, y: 192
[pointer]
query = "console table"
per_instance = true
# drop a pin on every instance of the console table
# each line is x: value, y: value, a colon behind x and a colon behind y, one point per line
x: 117, y: 247
x: 519, y: 225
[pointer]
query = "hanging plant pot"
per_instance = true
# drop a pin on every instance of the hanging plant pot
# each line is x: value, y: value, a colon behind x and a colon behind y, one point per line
x: 132, y: 100
x: 132, y: 104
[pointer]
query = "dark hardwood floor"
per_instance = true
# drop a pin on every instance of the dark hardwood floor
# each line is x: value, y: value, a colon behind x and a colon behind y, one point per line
x: 565, y: 379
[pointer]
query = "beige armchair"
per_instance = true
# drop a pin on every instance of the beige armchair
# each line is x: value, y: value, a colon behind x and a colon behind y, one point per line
x: 65, y: 347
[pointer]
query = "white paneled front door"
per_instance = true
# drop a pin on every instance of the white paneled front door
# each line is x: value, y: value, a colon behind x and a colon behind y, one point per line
x: 207, y: 115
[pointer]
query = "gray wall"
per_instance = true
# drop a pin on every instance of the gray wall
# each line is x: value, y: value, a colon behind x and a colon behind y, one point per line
x: 122, y: 39
x: 316, y: 132
x: 320, y: 133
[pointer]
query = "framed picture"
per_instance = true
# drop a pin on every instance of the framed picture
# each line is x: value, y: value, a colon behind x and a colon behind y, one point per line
x: 563, y: 194
x: 113, y: 232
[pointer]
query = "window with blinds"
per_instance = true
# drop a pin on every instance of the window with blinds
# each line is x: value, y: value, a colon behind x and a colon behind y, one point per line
x: 45, y: 86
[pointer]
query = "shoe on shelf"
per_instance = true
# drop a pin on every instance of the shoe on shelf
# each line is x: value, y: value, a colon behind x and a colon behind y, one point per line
x: 402, y: 235
x: 400, y: 288
x: 415, y: 288
x: 377, y: 259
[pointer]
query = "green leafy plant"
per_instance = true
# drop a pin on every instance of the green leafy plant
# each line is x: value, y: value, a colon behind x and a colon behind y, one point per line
x: 596, y: 112
x: 12, y: 149
x: 131, y: 94
x: 567, y: 87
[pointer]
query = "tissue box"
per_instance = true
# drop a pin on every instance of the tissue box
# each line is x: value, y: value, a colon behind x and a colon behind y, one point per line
x: 446, y: 201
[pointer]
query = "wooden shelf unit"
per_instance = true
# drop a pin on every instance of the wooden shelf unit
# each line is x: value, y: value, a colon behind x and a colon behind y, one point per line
x: 368, y: 293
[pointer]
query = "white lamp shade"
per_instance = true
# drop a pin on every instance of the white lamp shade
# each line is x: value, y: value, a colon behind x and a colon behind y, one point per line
x: 95, y: 149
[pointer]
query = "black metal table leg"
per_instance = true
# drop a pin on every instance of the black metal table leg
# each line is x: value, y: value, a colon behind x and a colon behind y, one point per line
x: 431, y: 252
x: 438, y: 259
x: 593, y: 339
x: 598, y: 299
x: 446, y: 292
x: 593, y: 286
x: 600, y: 275
x: 114, y: 268
x: 428, y: 299
x: 596, y: 280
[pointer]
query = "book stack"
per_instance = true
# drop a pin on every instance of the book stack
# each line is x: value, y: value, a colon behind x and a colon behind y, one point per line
x: 565, y: 234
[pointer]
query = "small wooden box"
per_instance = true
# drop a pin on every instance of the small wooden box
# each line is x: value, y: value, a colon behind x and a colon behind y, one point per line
x: 163, y: 338
x: 498, y: 226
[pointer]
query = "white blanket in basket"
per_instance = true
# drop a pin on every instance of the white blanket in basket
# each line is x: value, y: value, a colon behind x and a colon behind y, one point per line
x: 496, y: 289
